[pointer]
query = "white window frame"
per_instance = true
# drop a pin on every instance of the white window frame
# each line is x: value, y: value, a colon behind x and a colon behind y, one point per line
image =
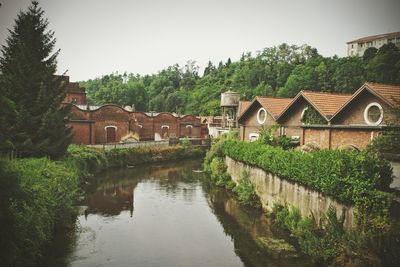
x: 258, y: 116
x: 111, y: 126
x: 251, y: 135
x: 379, y: 121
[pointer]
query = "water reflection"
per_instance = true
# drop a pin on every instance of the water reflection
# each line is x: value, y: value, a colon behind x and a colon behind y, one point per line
x: 163, y: 215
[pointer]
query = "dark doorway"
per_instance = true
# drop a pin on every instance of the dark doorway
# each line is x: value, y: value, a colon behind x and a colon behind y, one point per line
x: 164, y: 132
x: 111, y: 137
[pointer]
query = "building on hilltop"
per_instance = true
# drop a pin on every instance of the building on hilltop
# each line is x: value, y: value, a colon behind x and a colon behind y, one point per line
x: 358, y: 47
x: 111, y: 123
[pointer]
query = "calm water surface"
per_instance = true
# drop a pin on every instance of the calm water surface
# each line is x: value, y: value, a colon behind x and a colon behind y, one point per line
x: 164, y: 215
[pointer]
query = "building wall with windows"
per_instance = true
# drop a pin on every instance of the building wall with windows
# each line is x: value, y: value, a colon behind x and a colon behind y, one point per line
x: 112, y: 123
x: 358, y: 47
x: 346, y: 121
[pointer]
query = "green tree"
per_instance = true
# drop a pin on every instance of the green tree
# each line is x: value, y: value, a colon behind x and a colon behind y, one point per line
x: 385, y: 66
x: 28, y: 66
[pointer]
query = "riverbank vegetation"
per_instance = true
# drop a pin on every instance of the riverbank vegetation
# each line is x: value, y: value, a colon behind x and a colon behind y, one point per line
x: 38, y: 193
x: 361, y: 179
x: 35, y: 195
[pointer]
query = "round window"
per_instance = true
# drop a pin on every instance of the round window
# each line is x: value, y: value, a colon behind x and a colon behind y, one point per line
x: 373, y: 114
x: 261, y: 116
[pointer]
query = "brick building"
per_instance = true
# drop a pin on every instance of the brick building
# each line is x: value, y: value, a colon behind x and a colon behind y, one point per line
x: 111, y: 123
x: 329, y: 120
x: 262, y: 112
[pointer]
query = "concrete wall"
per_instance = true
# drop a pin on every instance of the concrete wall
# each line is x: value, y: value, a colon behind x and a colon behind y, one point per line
x: 396, y: 173
x: 270, y: 188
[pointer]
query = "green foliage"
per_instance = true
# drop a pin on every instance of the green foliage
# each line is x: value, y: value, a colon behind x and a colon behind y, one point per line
x: 268, y: 137
x: 86, y: 160
x: 36, y: 194
x: 341, y: 174
x: 329, y: 238
x: 245, y: 191
x: 311, y: 116
x: 27, y: 69
x: 186, y: 143
x: 320, y: 243
x: 384, y: 67
x: 389, y: 141
x: 40, y: 192
x: 282, y: 70
x: 219, y: 175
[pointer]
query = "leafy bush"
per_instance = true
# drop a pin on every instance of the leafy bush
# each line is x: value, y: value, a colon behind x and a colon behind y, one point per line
x: 87, y: 160
x: 341, y: 174
x: 219, y: 175
x: 186, y: 143
x: 245, y: 191
x: 268, y: 137
x: 43, y: 191
x: 321, y: 242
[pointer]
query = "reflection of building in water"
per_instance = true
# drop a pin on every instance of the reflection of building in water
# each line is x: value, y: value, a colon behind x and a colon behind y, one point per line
x: 112, y: 199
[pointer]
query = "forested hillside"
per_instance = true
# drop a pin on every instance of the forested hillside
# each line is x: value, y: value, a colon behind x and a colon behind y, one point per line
x: 277, y: 71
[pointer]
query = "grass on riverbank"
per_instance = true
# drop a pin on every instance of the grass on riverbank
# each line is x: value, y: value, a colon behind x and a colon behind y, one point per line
x: 36, y: 194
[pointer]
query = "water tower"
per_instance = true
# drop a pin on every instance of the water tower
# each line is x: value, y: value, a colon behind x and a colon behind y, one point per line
x: 229, y: 105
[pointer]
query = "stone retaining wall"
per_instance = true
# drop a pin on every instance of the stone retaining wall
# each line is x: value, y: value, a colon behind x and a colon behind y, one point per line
x: 270, y: 188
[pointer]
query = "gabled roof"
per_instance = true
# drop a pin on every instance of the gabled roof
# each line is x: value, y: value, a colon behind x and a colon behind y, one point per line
x: 375, y: 37
x: 389, y: 93
x: 327, y: 104
x: 273, y: 105
x: 243, y: 105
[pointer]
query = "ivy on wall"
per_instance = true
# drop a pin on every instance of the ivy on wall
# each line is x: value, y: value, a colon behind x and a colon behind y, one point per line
x: 311, y: 116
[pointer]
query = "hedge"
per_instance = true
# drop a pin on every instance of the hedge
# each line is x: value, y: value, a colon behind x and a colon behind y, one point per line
x: 344, y: 175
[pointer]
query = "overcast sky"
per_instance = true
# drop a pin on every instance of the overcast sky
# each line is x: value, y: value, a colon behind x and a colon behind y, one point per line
x: 99, y: 37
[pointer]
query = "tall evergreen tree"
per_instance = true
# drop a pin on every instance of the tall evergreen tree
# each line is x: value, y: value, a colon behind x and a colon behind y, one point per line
x: 28, y: 68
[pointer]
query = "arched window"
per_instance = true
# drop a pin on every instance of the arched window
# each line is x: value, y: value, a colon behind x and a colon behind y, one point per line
x: 111, y: 136
x: 164, y: 131
x: 189, y: 130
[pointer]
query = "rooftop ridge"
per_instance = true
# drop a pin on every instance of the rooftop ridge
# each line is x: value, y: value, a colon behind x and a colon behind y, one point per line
x: 373, y: 37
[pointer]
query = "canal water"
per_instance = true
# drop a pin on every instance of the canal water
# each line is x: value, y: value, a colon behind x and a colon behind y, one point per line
x: 166, y: 215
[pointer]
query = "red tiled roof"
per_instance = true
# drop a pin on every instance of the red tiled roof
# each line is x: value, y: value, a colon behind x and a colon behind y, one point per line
x: 243, y: 105
x: 275, y: 106
x: 326, y: 103
x: 390, y: 92
x: 74, y: 88
x: 376, y: 37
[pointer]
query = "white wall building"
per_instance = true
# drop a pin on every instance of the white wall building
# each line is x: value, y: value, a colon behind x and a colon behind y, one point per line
x: 358, y: 47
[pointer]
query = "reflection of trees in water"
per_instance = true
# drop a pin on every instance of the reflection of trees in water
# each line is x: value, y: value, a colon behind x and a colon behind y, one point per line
x: 111, y: 200
x: 244, y: 225
x: 114, y: 189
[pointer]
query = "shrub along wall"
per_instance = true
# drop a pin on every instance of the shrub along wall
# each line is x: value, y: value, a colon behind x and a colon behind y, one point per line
x: 356, y: 178
x: 37, y: 194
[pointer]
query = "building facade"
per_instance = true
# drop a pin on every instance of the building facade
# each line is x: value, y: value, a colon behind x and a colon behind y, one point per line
x: 111, y: 123
x: 329, y: 121
x: 358, y: 47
